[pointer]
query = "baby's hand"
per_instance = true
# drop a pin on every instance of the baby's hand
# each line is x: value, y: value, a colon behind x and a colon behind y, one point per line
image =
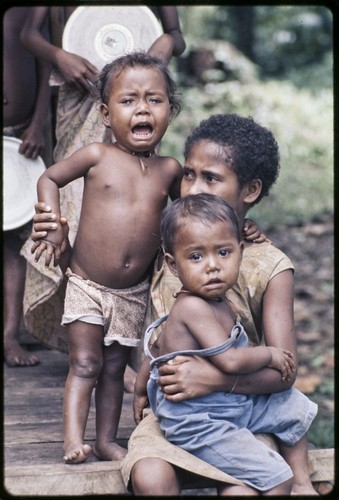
x: 283, y: 360
x: 139, y: 403
x: 252, y: 232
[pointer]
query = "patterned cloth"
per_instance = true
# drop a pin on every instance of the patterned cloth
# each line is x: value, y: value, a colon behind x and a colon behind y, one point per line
x: 121, y: 312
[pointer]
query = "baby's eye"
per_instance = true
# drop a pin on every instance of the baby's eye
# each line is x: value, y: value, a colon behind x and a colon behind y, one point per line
x: 195, y: 257
x: 224, y: 252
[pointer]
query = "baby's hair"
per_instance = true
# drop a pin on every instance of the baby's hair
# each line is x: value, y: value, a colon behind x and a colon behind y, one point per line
x: 246, y: 147
x: 110, y: 71
x: 207, y: 208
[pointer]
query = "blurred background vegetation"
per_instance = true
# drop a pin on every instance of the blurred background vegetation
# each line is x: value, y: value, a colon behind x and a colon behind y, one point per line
x: 275, y: 64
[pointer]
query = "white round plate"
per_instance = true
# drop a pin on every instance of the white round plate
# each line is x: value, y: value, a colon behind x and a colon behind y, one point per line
x: 20, y: 176
x: 101, y: 34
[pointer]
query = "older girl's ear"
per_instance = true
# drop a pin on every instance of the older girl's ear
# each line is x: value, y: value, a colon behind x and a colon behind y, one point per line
x: 252, y: 191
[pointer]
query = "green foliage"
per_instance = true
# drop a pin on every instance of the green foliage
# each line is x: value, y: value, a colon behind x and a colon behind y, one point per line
x: 303, y: 126
x: 286, y: 41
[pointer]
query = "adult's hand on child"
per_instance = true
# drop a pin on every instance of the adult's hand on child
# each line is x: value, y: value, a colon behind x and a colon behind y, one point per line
x: 44, y: 221
x: 181, y: 379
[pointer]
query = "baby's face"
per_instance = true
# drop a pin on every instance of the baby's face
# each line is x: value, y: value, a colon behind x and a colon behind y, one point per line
x: 138, y: 109
x: 207, y: 257
x: 204, y: 172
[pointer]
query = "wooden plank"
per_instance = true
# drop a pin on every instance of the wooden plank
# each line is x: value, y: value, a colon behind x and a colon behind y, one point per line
x: 321, y: 464
x: 95, y: 478
x: 104, y: 477
x: 38, y: 454
x: 33, y: 438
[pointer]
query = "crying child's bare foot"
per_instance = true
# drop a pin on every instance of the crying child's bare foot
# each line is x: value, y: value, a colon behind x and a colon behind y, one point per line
x: 109, y: 451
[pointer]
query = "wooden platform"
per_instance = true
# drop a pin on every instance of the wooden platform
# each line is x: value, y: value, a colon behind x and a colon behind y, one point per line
x: 33, y: 438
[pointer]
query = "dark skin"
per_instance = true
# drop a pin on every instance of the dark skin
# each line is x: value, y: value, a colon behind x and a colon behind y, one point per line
x: 127, y: 237
x: 81, y: 73
x: 182, y: 378
x: 24, y: 99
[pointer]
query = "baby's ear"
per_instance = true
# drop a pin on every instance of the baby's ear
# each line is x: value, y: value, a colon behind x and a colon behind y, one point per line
x: 105, y: 114
x: 170, y: 261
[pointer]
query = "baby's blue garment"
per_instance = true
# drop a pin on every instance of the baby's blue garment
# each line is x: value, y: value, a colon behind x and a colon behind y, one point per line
x: 219, y: 428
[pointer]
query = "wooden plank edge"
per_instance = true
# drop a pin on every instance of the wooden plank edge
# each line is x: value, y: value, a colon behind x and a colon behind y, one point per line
x: 104, y: 477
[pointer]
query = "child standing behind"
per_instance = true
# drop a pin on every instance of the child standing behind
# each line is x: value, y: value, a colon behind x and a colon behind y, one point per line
x: 26, y: 116
x: 201, y: 238
x: 126, y: 187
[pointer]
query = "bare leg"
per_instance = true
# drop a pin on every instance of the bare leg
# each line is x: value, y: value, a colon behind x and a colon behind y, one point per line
x: 85, y: 358
x: 14, y: 285
x: 162, y: 481
x: 245, y: 490
x: 237, y: 491
x: 108, y: 401
x: 297, y: 458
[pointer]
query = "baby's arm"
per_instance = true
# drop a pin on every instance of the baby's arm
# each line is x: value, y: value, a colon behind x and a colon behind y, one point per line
x: 244, y: 360
x: 140, y: 400
x: 282, y: 360
x: 197, y: 316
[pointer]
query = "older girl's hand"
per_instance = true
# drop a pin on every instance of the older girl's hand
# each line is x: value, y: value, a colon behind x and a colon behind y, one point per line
x: 181, y: 378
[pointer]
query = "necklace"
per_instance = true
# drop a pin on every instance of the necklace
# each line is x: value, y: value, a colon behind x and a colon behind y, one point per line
x: 140, y: 156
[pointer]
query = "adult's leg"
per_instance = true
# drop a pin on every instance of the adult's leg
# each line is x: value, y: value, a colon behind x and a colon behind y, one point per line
x: 108, y: 401
x: 14, y: 285
x: 85, y: 364
x: 155, y: 477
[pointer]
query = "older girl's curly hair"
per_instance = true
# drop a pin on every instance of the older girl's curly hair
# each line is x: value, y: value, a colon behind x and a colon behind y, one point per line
x: 246, y: 147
